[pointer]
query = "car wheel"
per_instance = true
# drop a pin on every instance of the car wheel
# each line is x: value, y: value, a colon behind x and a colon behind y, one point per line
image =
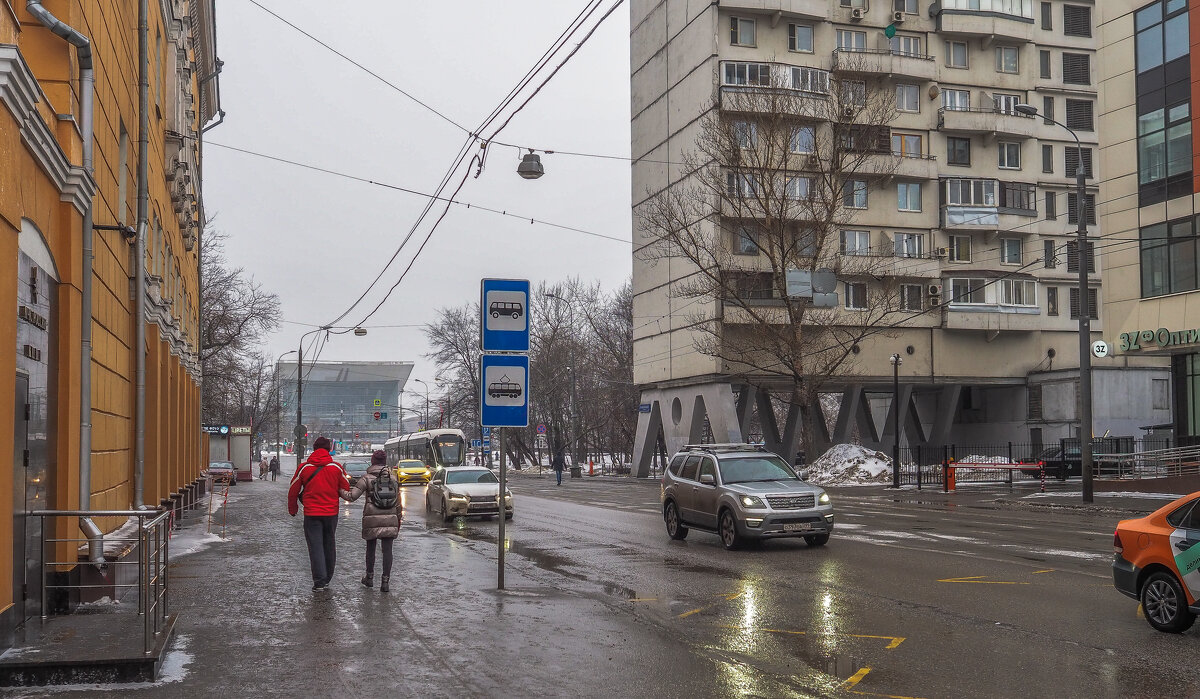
x: 728, y: 531
x: 817, y: 539
x: 508, y: 515
x: 1165, y: 605
x: 428, y: 505
x: 446, y: 511
x: 675, y: 528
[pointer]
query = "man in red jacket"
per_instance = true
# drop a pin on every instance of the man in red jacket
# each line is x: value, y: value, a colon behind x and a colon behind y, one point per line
x: 316, y: 484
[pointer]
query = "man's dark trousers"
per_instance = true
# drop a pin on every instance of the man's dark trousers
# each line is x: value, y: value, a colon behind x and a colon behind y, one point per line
x: 322, y: 551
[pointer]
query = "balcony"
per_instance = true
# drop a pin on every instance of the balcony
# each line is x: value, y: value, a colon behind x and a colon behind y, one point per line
x: 986, y: 120
x: 1003, y: 20
x: 810, y: 9
x: 981, y: 204
x: 886, y: 61
x: 745, y: 84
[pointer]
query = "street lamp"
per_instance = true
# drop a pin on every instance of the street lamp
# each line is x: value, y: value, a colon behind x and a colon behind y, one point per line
x: 300, y: 445
x: 573, y: 426
x: 426, y: 401
x: 1085, y: 312
x: 530, y: 166
x: 896, y: 362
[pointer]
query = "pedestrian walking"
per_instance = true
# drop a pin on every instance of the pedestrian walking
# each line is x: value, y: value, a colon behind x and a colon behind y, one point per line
x: 381, y: 515
x: 263, y: 465
x: 558, y: 463
x: 316, y: 485
x: 274, y: 468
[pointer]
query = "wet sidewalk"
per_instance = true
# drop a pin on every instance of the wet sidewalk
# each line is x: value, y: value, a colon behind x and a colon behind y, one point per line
x: 249, y: 624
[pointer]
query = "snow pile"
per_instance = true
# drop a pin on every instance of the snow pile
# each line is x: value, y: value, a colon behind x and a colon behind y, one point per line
x: 192, y: 540
x: 980, y: 459
x: 851, y: 464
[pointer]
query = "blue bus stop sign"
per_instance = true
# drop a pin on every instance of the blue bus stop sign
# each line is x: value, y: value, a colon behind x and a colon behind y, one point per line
x: 504, y: 390
x: 504, y: 315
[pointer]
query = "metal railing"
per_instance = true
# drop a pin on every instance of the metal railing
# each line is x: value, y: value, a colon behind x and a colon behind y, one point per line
x: 153, y: 544
x: 1156, y: 463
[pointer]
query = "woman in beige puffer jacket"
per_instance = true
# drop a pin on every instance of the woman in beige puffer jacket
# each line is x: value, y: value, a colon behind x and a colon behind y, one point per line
x: 377, y: 524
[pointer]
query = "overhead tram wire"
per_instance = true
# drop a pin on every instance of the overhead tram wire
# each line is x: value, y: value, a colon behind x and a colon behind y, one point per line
x: 555, y: 46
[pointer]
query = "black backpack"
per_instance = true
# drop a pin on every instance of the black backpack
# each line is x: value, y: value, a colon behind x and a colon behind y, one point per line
x: 384, y: 491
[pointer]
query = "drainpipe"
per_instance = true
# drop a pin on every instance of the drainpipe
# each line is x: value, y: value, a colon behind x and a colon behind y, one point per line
x: 87, y: 80
x: 143, y: 225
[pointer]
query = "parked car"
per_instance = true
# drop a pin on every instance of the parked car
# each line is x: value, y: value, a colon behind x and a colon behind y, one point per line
x: 466, y: 492
x: 1059, y: 463
x: 1157, y: 562
x: 742, y: 492
x: 223, y: 472
x: 412, y: 471
x: 355, y: 470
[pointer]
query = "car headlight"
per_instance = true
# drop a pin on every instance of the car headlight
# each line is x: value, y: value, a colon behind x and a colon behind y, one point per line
x: 751, y: 501
x: 456, y: 496
x: 824, y: 499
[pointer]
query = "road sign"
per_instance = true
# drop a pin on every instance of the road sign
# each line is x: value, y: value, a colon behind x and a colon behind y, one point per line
x: 504, y: 315
x: 1100, y: 349
x: 541, y: 429
x: 541, y: 441
x: 476, y: 443
x: 300, y: 431
x: 645, y: 407
x: 487, y: 444
x: 487, y: 432
x: 376, y: 415
x: 382, y: 416
x: 378, y: 403
x: 504, y: 392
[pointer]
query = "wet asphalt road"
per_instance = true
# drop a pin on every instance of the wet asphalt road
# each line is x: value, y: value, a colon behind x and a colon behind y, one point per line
x: 913, y: 597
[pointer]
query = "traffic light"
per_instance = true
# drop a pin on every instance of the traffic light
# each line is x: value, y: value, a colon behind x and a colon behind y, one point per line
x: 356, y: 435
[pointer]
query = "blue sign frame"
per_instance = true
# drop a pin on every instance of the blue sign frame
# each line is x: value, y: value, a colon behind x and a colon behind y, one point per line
x: 504, y: 390
x: 504, y: 315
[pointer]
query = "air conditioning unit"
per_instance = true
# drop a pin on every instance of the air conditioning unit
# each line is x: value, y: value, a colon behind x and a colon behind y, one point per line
x: 897, y: 18
x: 943, y: 253
x: 935, y: 290
x: 849, y: 111
x: 857, y: 14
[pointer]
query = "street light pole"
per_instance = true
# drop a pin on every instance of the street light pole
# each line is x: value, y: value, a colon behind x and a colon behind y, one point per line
x: 302, y: 440
x: 896, y: 362
x: 1085, y: 311
x: 426, y: 401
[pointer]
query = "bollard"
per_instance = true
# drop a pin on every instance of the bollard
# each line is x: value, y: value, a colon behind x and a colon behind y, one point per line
x: 591, y: 467
x: 950, y: 482
x: 1042, y: 469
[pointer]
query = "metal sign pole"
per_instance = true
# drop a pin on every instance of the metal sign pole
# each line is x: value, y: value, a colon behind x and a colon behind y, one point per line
x: 500, y: 542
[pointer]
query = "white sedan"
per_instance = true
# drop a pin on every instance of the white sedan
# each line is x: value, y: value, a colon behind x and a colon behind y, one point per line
x: 466, y: 492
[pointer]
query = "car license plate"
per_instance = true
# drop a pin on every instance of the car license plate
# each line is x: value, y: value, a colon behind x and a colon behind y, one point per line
x: 798, y: 527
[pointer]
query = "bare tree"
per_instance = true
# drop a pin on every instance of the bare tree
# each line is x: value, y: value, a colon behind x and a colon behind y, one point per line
x: 778, y: 174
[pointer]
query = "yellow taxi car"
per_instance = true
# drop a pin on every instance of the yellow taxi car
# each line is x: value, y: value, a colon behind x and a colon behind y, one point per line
x: 412, y: 471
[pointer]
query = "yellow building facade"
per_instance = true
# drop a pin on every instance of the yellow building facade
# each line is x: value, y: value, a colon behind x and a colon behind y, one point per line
x: 46, y: 196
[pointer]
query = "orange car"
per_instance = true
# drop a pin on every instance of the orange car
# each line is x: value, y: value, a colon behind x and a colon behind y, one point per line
x: 1157, y: 562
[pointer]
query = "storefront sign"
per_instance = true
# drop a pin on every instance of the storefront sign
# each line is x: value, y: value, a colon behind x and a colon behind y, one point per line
x: 215, y: 429
x: 242, y: 430
x: 1150, y: 339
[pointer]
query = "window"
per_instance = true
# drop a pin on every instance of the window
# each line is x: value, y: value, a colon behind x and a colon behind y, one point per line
x: 1164, y: 144
x: 966, y: 192
x: 866, y: 139
x: 859, y: 4
x: 854, y: 92
x: 800, y: 38
x: 910, y: 244
x: 956, y: 100
x: 1044, y: 64
x: 1079, y: 114
x: 1073, y: 257
x: 907, y: 145
x: 906, y: 45
x: 753, y: 286
x: 1049, y: 258
x: 909, y: 6
x: 745, y: 135
x: 1089, y: 208
x: 1077, y: 68
x: 908, y: 98
x: 810, y: 80
x: 1009, y: 155
x: 1048, y: 159
x: 1006, y: 104
x: 1018, y: 292
x: 1019, y: 196
x: 851, y: 40
x: 1073, y: 161
x: 1160, y: 396
x: 1052, y: 300
x: 798, y: 188
x: 965, y: 290
x: 856, y: 296
x: 956, y: 54
x: 958, y: 151
x: 1161, y: 37
x: 908, y: 196
x: 1033, y: 411
x: 1168, y: 258
x: 1077, y: 20
x: 1047, y: 16
x: 1010, y: 251
x: 960, y: 248
x: 803, y: 140
x: 745, y: 240
x: 741, y: 31
x: 855, y: 194
x: 1047, y: 110
x: 741, y: 184
x: 912, y: 297
x: 1051, y: 206
x: 1006, y: 59
x: 1091, y: 303
x: 856, y: 242
x: 742, y: 73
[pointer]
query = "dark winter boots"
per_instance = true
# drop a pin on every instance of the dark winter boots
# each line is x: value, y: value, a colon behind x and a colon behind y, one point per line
x: 368, y: 580
x: 383, y: 583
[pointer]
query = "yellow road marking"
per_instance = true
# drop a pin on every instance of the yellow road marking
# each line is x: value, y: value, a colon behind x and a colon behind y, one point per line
x: 697, y: 610
x: 856, y: 678
x: 1141, y: 614
x: 981, y: 580
x: 1039, y: 572
x: 876, y: 694
x: 893, y: 641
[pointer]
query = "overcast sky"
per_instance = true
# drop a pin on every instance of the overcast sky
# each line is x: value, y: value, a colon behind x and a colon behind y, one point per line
x: 317, y: 240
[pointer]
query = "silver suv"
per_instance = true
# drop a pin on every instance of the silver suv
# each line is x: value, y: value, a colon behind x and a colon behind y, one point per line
x: 742, y: 492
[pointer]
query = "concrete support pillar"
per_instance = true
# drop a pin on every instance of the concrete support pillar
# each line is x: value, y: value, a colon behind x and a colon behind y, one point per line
x: 680, y: 413
x: 943, y: 419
